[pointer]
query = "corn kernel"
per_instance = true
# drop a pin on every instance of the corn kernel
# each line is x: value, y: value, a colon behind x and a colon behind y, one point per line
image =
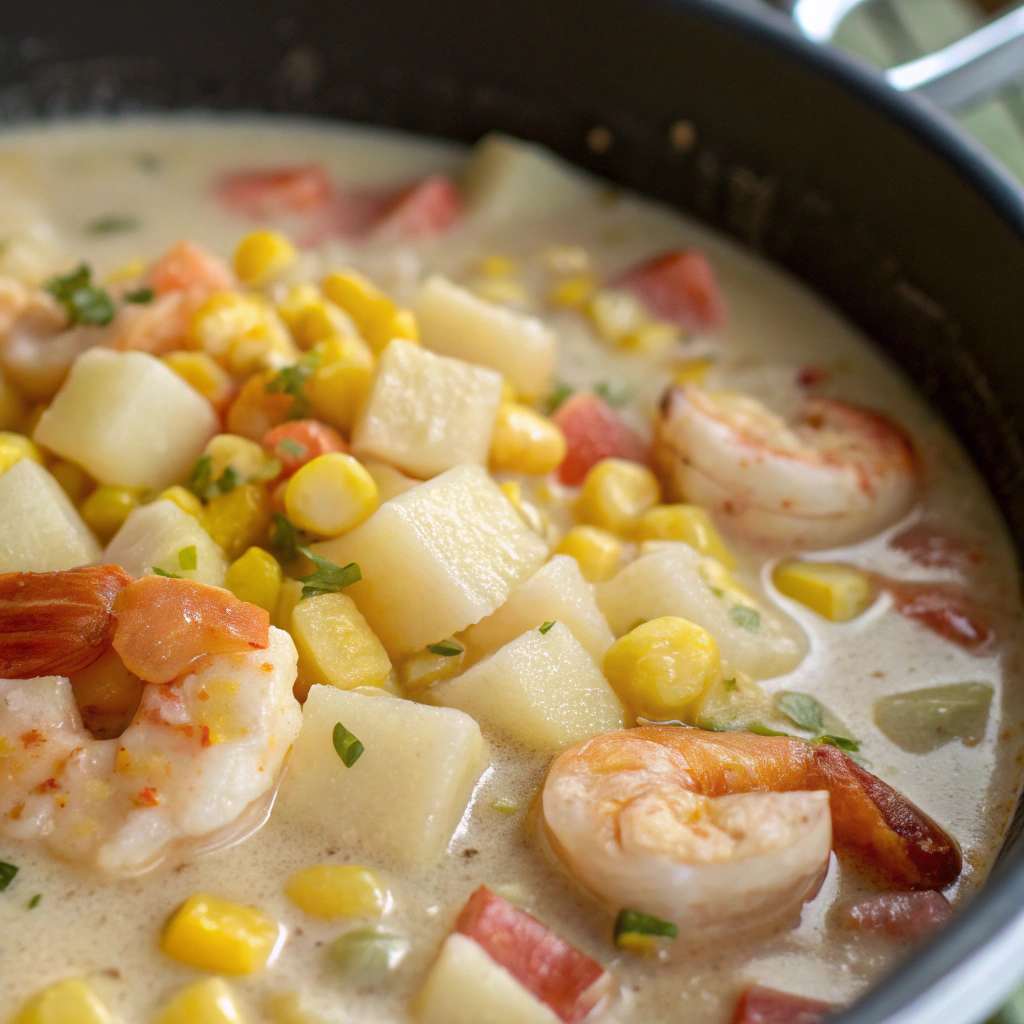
x: 598, y: 552
x: 255, y: 577
x: 662, y: 666
x: 338, y: 386
x: 312, y: 318
x: 837, y: 592
x: 691, y: 371
x: 217, y: 935
x: 184, y: 499
x: 424, y: 668
x: 107, y: 508
x: 128, y: 271
x: 337, y: 890
x: 502, y: 291
x: 403, y: 325
x: 291, y: 594
x: 243, y: 332
x: 689, y: 523
x: 330, y: 495
x: 262, y: 256
x: 616, y: 493
x: 497, y: 265
x: 206, y: 1002
x: 524, y: 441
x: 531, y: 515
x: 73, y: 479
x: 238, y: 519
x: 508, y: 393
x: 645, y: 945
x: 248, y: 460
x: 14, y: 448
x: 202, y: 372
x: 574, y: 292
x: 290, y: 1008
x: 376, y: 316
x: 651, y: 338
x: 616, y: 315
x: 67, y: 1002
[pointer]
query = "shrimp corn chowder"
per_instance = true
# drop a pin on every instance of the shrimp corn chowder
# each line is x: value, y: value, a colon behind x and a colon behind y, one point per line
x: 437, y: 587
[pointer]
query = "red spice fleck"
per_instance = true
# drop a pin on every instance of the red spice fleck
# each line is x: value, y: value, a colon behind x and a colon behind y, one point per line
x: 32, y: 738
x: 147, y: 797
x: 205, y: 740
x: 49, y: 784
x: 809, y: 376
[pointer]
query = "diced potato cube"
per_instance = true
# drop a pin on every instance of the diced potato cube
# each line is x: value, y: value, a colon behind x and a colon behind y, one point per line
x: 511, y: 180
x: 465, y: 986
x: 455, y: 322
x: 557, y: 592
x: 67, y: 1002
x: 404, y: 797
x: 211, y: 1001
x: 41, y: 532
x: 426, y: 413
x: 336, y: 647
x: 541, y: 690
x: 129, y: 419
x: 390, y: 481
x: 437, y: 558
x: 153, y: 537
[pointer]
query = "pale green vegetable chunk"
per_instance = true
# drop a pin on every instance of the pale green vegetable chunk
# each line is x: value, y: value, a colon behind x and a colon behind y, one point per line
x: 366, y: 956
x: 923, y: 720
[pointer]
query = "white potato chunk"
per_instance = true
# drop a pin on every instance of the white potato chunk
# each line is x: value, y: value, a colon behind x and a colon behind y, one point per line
x: 556, y: 592
x: 128, y: 419
x: 41, y: 530
x: 455, y: 322
x: 437, y: 558
x: 465, y: 986
x: 511, y: 180
x: 406, y: 794
x: 670, y: 578
x: 390, y: 481
x: 542, y: 690
x: 153, y: 536
x: 426, y: 413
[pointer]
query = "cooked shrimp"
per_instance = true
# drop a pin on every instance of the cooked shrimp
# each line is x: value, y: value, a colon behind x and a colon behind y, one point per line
x: 199, y: 751
x: 717, y: 831
x: 842, y: 473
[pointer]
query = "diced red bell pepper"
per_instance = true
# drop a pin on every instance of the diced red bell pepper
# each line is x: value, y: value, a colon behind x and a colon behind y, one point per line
x: 278, y: 192
x: 762, y: 1005
x: 934, y: 549
x: 898, y: 915
x: 300, y: 441
x: 678, y: 286
x: 593, y: 431
x: 949, y: 613
x: 556, y: 973
x: 187, y: 266
x: 426, y: 208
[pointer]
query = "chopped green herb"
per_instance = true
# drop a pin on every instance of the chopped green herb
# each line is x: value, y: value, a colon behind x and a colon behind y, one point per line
x: 168, y: 575
x: 291, y: 380
x: 83, y: 302
x: 632, y: 922
x: 730, y: 684
x: 149, y: 162
x: 111, y: 224
x: 140, y: 296
x: 503, y: 805
x: 328, y: 578
x: 842, y: 742
x: 559, y: 394
x: 187, y: 558
x: 446, y: 648
x: 717, y: 591
x: 286, y: 538
x: 544, y: 628
x: 291, y: 447
x: 615, y: 392
x: 762, y: 730
x: 366, y: 956
x: 202, y: 484
x: 348, y: 747
x: 748, y: 618
x: 7, y: 873
x: 34, y: 902
x: 802, y: 709
x: 228, y: 480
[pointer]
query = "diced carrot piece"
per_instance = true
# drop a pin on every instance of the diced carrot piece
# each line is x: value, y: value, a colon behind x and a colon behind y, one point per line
x: 898, y: 915
x: 593, y: 431
x: 558, y: 974
x: 949, y: 613
x: 186, y: 266
x: 426, y: 208
x: 56, y: 623
x: 256, y: 410
x: 679, y: 286
x: 761, y: 1005
x: 935, y: 549
x: 300, y: 441
x: 277, y: 192
x: 165, y: 624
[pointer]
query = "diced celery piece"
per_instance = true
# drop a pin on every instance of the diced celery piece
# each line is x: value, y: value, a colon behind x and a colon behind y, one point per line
x: 367, y: 956
x: 920, y: 721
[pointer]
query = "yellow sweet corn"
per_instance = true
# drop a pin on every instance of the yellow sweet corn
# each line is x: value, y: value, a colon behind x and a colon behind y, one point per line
x: 204, y: 373
x: 67, y: 1002
x: 263, y: 255
x: 247, y: 460
x: 73, y: 479
x: 653, y: 337
x: 330, y: 495
x: 238, y: 519
x: 662, y: 666
x: 291, y: 594
x: 689, y: 523
x: 573, y: 292
x: 645, y: 945
x: 616, y: 493
x: 534, y: 518
x: 218, y: 935
x: 338, y: 386
x: 206, y: 1002
x: 426, y: 667
x: 128, y: 271
x: 107, y: 508
x: 497, y: 265
x: 183, y: 498
x: 255, y: 577
x: 337, y: 890
x: 615, y: 315
x: 837, y: 592
x: 242, y: 332
x: 311, y: 317
x: 598, y: 552
x: 691, y: 371
x: 15, y: 447
x: 524, y: 441
x: 508, y: 393
x: 378, y: 319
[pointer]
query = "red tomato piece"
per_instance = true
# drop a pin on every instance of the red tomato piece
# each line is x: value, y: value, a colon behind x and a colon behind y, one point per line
x: 186, y: 267
x: 678, y: 286
x: 277, y: 192
x: 593, y: 431
x: 300, y: 441
x: 934, y: 549
x: 556, y: 973
x: 898, y: 915
x: 762, y: 1005
x: 949, y: 613
x: 426, y: 208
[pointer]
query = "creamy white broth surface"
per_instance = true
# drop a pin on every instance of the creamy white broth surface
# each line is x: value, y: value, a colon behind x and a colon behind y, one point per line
x: 56, y: 181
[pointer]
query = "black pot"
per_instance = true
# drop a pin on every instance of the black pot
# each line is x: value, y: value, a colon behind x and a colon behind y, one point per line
x: 876, y: 202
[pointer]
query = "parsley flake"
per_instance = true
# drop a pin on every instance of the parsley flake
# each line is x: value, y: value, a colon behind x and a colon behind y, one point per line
x: 140, y: 296
x: 167, y: 575
x: 544, y: 628
x: 559, y: 394
x: 615, y: 392
x: 348, y: 747
x: 7, y: 873
x: 286, y: 538
x: 762, y: 730
x: 730, y: 684
x: 83, y: 302
x: 188, y: 558
x: 291, y: 380
x: 801, y: 709
x: 111, y: 224
x: 328, y: 578
x: 289, y: 446
x: 202, y: 484
x: 446, y: 648
x: 747, y: 618
x: 34, y: 902
x: 842, y: 742
x: 632, y: 922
